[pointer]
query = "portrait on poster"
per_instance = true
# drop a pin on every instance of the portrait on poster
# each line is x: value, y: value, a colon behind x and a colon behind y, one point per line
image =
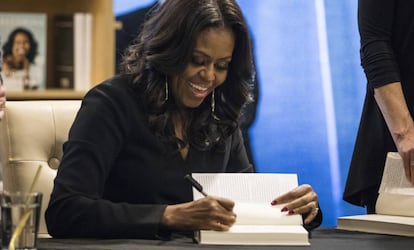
x: 23, y: 42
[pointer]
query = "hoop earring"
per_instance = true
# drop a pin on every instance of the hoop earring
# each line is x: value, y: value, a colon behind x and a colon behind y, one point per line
x: 213, y: 106
x: 166, y: 90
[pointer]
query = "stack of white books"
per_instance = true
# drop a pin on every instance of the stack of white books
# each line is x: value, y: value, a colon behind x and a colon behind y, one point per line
x: 394, y: 207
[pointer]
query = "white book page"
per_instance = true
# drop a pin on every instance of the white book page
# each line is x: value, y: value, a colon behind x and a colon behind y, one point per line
x: 382, y: 218
x: 393, y: 179
x: 246, y: 187
x: 263, y: 214
x: 252, y: 194
x: 268, y: 229
x: 395, y: 204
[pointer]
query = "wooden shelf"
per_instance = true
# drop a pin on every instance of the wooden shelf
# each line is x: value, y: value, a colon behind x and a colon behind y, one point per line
x: 103, y: 41
x: 50, y: 94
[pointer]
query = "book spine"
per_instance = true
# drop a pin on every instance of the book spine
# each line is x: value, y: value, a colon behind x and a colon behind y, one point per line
x: 88, y: 53
x: 64, y: 56
x: 79, y: 49
x: 83, y: 49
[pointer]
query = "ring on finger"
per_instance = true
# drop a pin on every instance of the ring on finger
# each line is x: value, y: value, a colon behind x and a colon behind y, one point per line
x: 315, y: 208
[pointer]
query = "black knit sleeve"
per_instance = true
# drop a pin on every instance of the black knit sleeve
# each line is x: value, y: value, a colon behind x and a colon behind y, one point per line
x: 375, y: 20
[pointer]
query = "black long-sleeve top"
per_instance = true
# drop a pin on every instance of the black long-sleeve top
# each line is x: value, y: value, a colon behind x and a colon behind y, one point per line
x: 387, y: 55
x: 116, y: 178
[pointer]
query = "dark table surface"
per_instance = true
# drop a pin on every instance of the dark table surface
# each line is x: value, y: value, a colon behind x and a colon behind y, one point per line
x: 322, y: 238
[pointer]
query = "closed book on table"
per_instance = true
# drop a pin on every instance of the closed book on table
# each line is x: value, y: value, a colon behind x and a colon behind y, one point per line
x: 394, y: 207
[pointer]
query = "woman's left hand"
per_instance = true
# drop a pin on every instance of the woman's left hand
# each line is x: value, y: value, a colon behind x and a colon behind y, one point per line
x: 301, y: 200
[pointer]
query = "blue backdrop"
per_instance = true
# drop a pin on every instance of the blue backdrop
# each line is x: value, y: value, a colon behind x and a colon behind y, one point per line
x: 311, y: 91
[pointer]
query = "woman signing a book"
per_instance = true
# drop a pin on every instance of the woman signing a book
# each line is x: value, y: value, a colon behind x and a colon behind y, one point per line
x: 172, y: 112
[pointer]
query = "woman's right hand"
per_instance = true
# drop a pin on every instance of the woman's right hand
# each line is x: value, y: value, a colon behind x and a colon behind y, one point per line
x: 391, y: 101
x: 208, y: 213
x: 405, y: 146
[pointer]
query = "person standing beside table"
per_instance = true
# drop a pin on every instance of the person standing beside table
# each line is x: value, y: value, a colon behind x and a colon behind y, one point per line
x: 387, y: 50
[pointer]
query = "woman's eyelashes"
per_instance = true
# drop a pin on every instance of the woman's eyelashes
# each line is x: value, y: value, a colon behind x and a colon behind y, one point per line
x: 222, y: 65
x: 197, y: 61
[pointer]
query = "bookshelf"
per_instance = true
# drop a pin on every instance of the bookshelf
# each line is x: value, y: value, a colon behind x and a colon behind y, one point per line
x: 103, y: 41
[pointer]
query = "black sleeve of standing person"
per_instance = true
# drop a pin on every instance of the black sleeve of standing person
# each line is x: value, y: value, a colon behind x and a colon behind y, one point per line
x: 376, y: 23
x: 378, y: 58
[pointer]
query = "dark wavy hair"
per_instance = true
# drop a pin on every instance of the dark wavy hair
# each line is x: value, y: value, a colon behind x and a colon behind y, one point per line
x: 164, y: 48
x: 8, y: 46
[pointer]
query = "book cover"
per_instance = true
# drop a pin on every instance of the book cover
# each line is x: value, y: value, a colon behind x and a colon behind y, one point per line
x: 258, y: 222
x: 394, y: 213
x: 23, y: 39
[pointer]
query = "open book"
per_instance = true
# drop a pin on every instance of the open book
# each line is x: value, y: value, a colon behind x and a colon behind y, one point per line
x: 394, y: 207
x: 258, y: 222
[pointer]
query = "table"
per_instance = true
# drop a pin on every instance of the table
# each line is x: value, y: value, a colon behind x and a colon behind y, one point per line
x: 322, y: 238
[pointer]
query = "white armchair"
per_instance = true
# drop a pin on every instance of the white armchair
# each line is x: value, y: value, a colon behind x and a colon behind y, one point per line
x: 32, y: 134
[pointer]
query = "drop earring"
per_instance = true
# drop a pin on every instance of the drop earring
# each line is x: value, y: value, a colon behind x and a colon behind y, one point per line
x: 166, y: 90
x: 213, y: 106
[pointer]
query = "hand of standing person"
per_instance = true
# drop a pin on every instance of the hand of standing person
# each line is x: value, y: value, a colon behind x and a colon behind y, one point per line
x: 393, y: 106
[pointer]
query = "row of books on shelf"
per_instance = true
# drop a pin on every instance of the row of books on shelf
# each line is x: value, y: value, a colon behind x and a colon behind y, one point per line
x: 24, y: 43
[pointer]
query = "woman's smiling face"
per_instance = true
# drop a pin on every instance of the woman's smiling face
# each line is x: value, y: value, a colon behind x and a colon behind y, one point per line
x: 21, y: 45
x: 207, y: 69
